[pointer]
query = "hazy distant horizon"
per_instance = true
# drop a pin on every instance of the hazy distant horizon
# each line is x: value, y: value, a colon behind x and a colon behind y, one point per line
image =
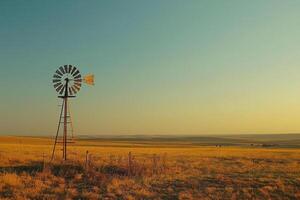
x: 155, y: 135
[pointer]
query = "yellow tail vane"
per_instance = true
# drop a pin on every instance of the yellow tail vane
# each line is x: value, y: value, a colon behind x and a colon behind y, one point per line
x: 89, y: 79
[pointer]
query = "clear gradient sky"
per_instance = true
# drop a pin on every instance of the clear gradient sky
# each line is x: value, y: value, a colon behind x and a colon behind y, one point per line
x: 161, y: 67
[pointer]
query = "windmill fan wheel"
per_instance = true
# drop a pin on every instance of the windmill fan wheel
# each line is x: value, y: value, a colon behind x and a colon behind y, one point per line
x: 67, y: 76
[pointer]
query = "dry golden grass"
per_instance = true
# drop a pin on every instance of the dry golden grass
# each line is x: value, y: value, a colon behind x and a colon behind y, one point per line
x: 167, y: 172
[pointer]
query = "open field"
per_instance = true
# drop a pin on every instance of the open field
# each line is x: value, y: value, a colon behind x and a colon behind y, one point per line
x: 155, y: 169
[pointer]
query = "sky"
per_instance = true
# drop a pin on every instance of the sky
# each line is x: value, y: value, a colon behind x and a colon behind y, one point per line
x: 161, y: 67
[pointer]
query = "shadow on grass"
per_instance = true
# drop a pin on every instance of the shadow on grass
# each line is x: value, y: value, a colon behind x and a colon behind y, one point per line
x: 31, y: 168
x: 113, y: 170
x: 65, y: 170
x: 68, y: 170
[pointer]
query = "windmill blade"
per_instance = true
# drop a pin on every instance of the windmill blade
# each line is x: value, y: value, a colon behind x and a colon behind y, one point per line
x: 78, y: 76
x: 74, y: 90
x: 70, y: 91
x: 62, y: 89
x: 76, y: 87
x: 78, y: 80
x: 59, y: 73
x: 57, y: 84
x: 56, y: 76
x: 70, y: 68
x: 59, y: 87
x: 66, y: 68
x: 78, y: 84
x: 62, y: 70
x: 77, y: 72
x: 73, y: 70
x: 56, y: 80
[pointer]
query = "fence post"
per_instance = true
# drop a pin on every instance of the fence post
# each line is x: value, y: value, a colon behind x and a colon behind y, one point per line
x: 129, y: 163
x: 154, y: 167
x: 86, y: 160
x: 165, y: 162
x: 43, y: 161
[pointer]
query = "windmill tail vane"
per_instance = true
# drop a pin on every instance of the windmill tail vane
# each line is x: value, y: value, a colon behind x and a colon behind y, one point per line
x: 67, y: 81
x: 89, y: 79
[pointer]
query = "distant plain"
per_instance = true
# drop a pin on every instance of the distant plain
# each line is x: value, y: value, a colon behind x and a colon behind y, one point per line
x: 152, y: 167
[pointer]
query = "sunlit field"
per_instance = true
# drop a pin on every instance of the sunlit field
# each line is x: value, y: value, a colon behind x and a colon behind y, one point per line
x: 128, y: 170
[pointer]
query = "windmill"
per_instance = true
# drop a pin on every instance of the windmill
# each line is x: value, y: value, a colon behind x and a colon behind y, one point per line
x: 67, y: 81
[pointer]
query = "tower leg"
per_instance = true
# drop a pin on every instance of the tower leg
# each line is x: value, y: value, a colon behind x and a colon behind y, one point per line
x: 65, y: 129
x: 58, y: 127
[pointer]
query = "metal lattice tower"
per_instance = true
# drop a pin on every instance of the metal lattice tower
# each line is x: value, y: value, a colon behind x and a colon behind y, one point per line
x: 67, y: 81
